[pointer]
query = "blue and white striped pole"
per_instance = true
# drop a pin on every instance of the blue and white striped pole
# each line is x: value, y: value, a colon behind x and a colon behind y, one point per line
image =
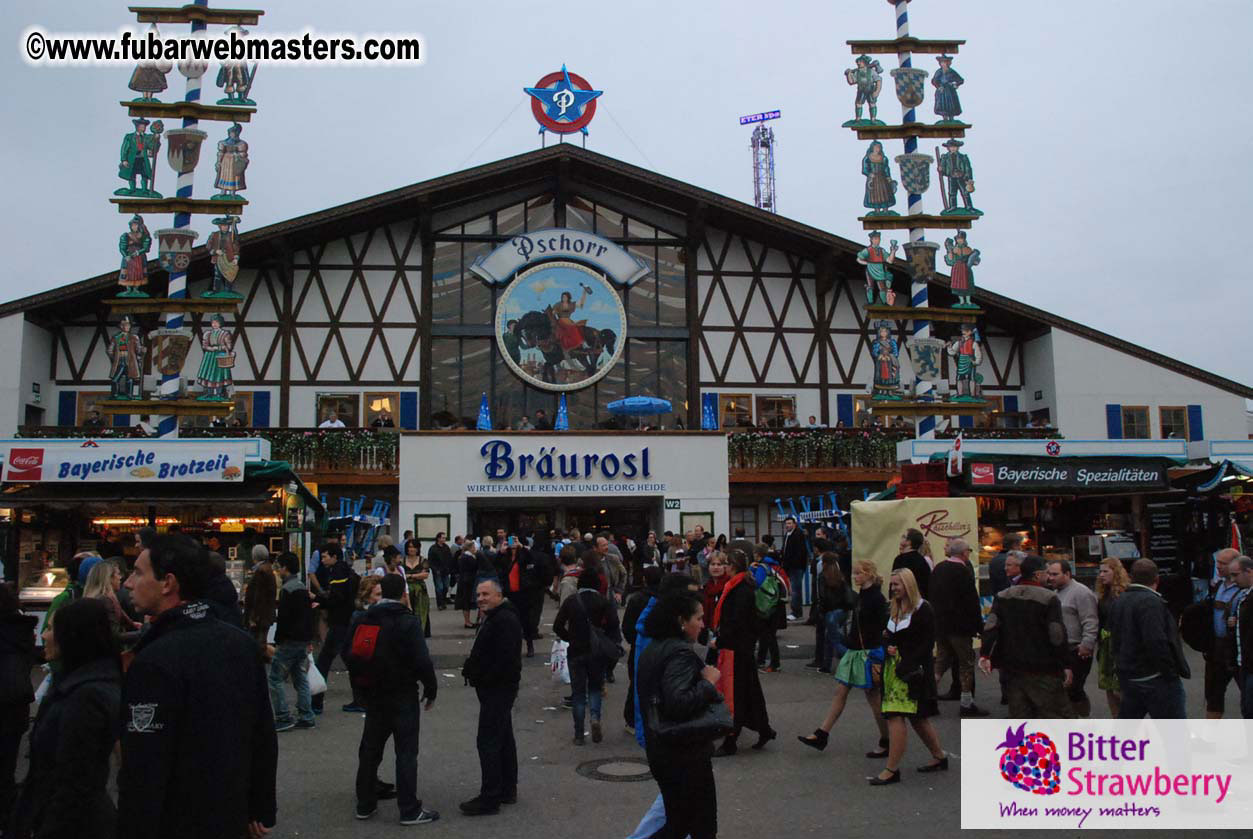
x: 925, y: 426
x: 167, y: 426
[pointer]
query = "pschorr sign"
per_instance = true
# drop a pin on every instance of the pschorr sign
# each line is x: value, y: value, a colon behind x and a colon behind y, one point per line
x: 559, y: 243
x: 129, y: 461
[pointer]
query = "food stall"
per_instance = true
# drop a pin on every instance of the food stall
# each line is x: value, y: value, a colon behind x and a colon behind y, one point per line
x: 59, y: 497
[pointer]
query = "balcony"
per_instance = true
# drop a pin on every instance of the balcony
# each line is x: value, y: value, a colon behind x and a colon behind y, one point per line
x: 813, y: 454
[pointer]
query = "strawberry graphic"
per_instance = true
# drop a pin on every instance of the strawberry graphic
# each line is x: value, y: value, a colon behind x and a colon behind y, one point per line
x: 1030, y: 761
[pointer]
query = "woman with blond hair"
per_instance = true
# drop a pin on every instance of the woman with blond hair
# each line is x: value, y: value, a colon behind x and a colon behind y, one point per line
x: 908, y: 677
x: 1111, y: 581
x: 103, y: 582
x: 861, y: 666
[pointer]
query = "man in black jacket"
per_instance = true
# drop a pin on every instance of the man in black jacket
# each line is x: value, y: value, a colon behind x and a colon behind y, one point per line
x: 958, y: 619
x: 338, y: 597
x: 794, y: 557
x: 1026, y: 636
x: 389, y: 685
x: 1147, y: 654
x: 494, y: 668
x: 199, y: 753
x: 440, y: 559
x: 293, y: 641
x: 998, y: 577
x: 911, y: 557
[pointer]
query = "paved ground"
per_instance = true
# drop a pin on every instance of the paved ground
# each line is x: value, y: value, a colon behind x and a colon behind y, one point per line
x: 785, y: 790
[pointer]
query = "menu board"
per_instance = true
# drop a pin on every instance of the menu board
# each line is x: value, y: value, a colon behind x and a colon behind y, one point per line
x: 1164, y: 526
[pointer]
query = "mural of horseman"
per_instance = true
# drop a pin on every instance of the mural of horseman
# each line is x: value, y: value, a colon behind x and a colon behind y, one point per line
x: 558, y: 337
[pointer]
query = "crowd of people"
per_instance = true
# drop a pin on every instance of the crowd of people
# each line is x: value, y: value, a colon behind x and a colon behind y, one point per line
x: 160, y: 663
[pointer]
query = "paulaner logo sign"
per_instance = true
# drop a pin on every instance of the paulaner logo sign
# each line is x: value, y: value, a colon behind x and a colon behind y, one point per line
x: 1127, y: 774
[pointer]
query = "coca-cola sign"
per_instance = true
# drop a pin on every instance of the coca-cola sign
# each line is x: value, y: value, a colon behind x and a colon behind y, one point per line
x: 24, y: 465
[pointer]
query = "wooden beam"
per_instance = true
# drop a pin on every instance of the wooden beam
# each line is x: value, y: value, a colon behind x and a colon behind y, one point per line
x: 925, y: 313
x: 920, y: 220
x: 194, y: 206
x: 910, y: 129
x: 190, y: 110
x: 695, y: 241
x: 899, y: 45
x: 165, y: 407
x: 150, y: 305
x: 425, y: 297
x: 202, y: 14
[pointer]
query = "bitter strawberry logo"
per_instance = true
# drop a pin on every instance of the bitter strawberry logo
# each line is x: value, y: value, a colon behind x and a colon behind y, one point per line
x: 25, y: 465
x: 1030, y: 762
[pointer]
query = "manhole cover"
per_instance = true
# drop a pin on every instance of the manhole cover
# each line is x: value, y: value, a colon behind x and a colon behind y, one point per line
x: 615, y: 769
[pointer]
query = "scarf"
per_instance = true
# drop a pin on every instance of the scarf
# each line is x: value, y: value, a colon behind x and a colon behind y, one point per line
x: 726, y: 591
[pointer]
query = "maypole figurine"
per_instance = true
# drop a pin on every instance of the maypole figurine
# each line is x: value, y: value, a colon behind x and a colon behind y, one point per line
x: 223, y: 248
x: 219, y: 358
x: 946, y: 81
x: 231, y: 163
x: 125, y: 351
x: 868, y: 77
x: 134, y: 246
x: 887, y: 364
x: 967, y: 353
x: 958, y: 178
x: 880, y: 188
x: 962, y: 259
x: 149, y: 76
x: 234, y: 77
x: 878, y: 275
x: 138, y: 159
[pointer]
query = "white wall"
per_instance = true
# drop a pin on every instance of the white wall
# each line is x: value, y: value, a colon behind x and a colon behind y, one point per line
x: 31, y: 345
x: 1039, y: 374
x: 1088, y: 376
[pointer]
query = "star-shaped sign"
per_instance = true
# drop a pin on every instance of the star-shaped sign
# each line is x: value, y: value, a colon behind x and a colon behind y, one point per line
x: 559, y: 106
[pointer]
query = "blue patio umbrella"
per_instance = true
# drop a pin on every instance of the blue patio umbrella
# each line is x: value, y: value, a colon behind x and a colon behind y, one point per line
x: 562, y: 422
x: 709, y: 411
x: 638, y: 406
x: 485, y: 415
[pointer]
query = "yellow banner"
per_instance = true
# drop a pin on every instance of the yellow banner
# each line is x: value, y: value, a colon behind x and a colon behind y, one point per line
x: 879, y: 525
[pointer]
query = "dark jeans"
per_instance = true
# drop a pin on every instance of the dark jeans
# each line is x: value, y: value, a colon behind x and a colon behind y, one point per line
x: 534, y: 611
x: 768, y: 644
x: 1160, y: 698
x: 396, y: 717
x: 1246, y: 696
x: 441, y: 587
x: 498, y: 753
x: 796, y: 579
x: 521, y: 601
x: 587, y: 677
x: 331, y: 647
x: 13, y: 725
x: 1079, y: 668
x: 687, y: 788
x: 833, y: 638
x: 628, y: 705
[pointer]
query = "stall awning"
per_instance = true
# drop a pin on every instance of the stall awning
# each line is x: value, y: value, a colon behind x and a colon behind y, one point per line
x: 1214, y: 477
x: 257, y: 487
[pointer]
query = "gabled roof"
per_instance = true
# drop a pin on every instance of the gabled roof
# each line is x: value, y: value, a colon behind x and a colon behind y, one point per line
x: 568, y: 161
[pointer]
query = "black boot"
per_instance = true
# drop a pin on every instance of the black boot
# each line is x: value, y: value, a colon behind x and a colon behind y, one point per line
x: 817, y: 740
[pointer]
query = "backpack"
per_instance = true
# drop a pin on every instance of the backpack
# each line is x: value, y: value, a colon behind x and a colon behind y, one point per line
x: 769, y: 595
x: 373, y: 664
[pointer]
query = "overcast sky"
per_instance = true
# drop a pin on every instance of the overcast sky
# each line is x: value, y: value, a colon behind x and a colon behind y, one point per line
x: 1110, y: 148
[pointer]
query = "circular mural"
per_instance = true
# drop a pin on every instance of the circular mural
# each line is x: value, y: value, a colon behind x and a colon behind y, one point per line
x: 560, y: 326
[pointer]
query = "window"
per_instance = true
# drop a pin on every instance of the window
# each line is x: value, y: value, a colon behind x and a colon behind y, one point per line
x: 736, y: 410
x: 745, y: 517
x: 776, y: 411
x: 381, y: 410
x: 1135, y: 422
x: 241, y: 417
x: 1174, y: 422
x: 87, y: 403
x: 345, y: 406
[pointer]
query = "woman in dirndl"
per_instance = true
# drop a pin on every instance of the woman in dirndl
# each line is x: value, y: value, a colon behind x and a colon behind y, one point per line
x: 880, y: 188
x: 1111, y: 581
x: 215, y: 367
x: 417, y: 570
x: 861, y: 666
x: 908, y: 677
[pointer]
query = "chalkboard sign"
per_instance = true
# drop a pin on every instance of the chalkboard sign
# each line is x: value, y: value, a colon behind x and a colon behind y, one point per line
x: 1164, y: 527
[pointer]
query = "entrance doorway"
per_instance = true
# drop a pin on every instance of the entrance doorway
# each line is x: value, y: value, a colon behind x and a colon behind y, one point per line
x: 633, y: 521
x: 630, y: 517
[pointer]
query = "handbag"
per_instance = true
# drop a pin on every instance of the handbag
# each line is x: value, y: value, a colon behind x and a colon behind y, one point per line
x: 559, y: 662
x: 710, y: 724
x: 599, y: 644
x: 317, y: 684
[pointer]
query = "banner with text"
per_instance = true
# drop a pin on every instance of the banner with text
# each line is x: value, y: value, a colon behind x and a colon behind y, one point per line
x: 1091, y: 774
x: 1066, y: 476
x: 879, y: 525
x: 97, y: 461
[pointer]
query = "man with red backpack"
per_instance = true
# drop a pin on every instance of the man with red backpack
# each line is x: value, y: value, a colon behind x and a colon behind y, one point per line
x: 387, y: 658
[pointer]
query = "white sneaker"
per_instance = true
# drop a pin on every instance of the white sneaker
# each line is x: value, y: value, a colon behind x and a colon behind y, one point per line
x: 792, y: 618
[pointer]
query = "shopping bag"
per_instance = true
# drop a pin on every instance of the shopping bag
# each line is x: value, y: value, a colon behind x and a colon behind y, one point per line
x: 317, y: 684
x: 559, y: 662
